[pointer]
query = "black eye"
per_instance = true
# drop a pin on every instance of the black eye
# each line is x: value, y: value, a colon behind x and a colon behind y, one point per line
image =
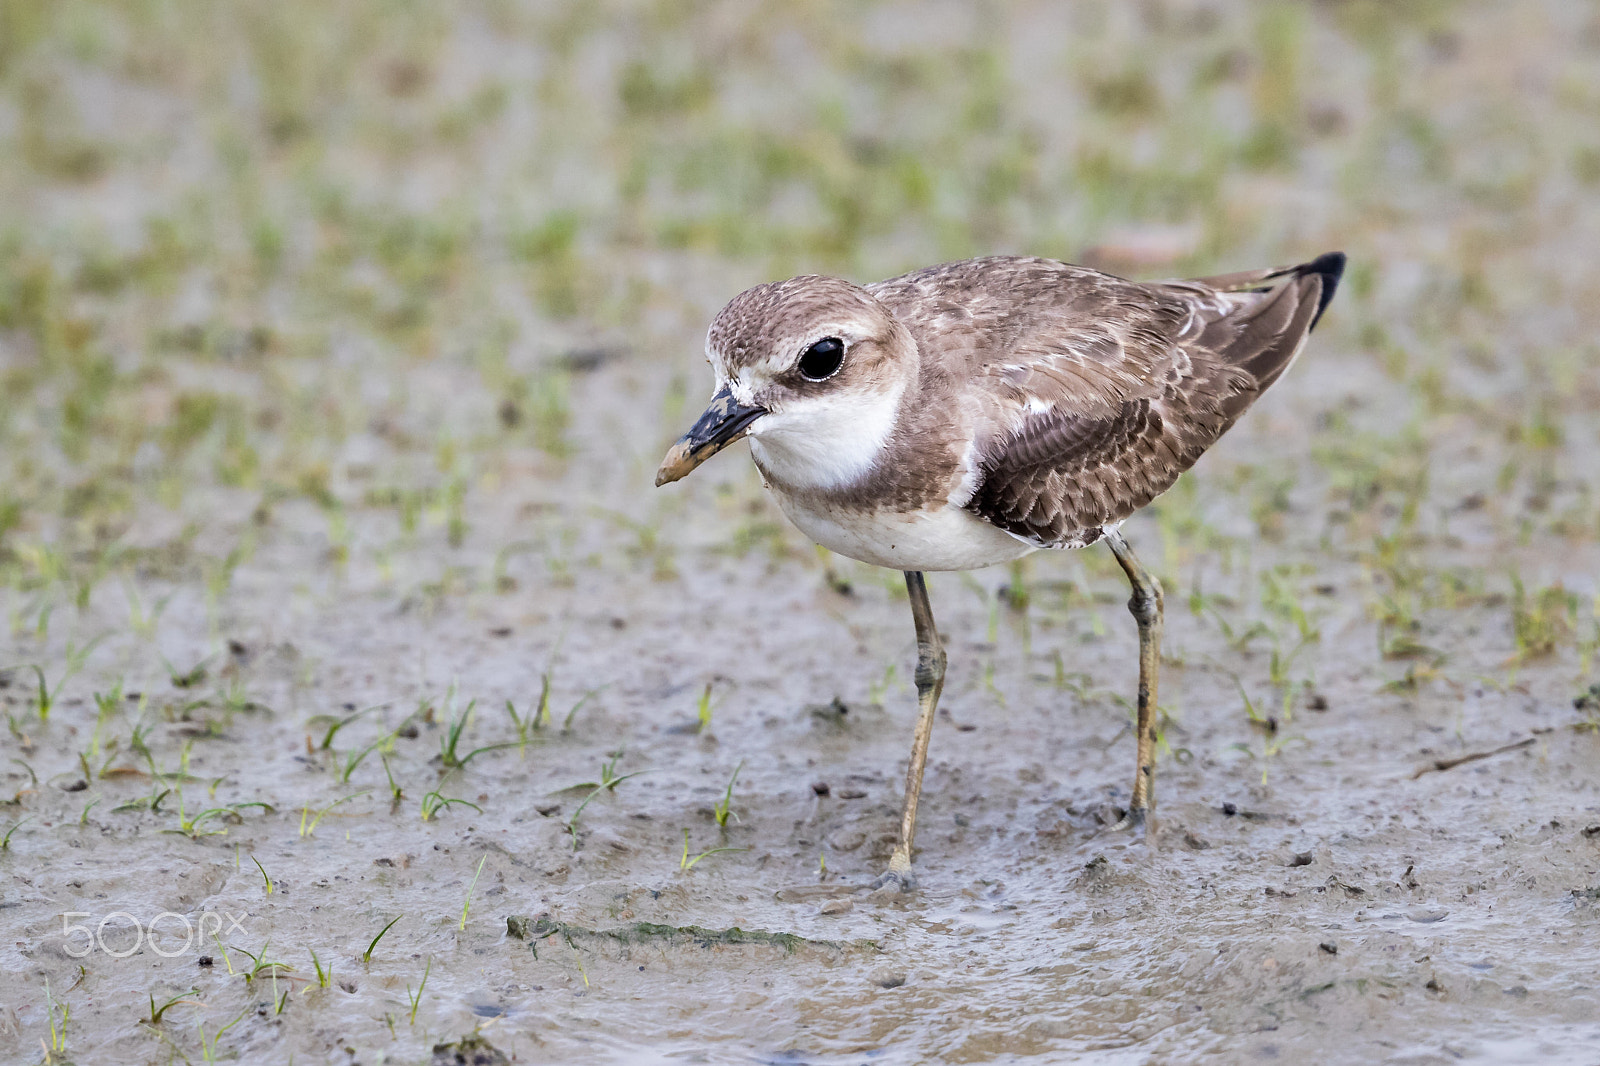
x: 822, y: 359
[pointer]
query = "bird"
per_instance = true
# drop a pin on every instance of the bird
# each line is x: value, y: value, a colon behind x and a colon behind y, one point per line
x: 973, y: 412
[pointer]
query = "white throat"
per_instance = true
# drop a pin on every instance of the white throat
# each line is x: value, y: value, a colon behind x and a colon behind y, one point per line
x: 825, y: 443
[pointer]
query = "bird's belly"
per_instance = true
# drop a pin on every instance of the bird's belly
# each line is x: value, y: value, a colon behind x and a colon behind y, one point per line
x: 946, y: 539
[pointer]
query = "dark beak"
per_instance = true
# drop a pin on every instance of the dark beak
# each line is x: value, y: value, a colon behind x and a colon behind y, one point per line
x: 725, y: 421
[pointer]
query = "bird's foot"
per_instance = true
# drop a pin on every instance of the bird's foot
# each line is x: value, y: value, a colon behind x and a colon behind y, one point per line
x: 1135, y: 822
x: 897, y: 879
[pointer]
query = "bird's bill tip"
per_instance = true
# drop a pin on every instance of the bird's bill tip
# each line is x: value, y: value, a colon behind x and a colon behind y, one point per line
x: 679, y: 461
x: 725, y: 420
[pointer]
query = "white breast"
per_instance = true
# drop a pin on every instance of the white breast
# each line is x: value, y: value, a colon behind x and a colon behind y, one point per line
x: 946, y: 539
x: 825, y: 442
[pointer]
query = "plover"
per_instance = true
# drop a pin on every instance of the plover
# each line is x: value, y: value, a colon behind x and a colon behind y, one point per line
x: 970, y: 413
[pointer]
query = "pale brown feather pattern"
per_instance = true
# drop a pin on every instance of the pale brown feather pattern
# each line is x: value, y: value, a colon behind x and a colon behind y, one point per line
x: 1089, y: 395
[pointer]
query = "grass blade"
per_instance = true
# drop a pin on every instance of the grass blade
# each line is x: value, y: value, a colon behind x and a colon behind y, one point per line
x: 366, y: 956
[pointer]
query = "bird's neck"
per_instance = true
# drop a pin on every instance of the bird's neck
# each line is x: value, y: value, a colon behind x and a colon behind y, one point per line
x: 829, y: 444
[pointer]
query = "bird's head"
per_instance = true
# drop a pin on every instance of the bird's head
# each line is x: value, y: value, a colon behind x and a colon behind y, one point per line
x: 812, y: 370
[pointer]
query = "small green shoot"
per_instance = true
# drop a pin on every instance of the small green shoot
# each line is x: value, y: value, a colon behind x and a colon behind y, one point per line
x: 308, y: 824
x: 686, y: 863
x: 5, y: 841
x: 259, y: 962
x: 48, y: 694
x: 236, y: 698
x: 227, y: 960
x: 46, y: 697
x: 366, y: 956
x: 141, y: 622
x: 192, y: 827
x: 107, y: 705
x: 724, y: 808
x: 1271, y: 745
x: 416, y: 999
x: 347, y: 765
x: 470, y: 889
x: 139, y: 736
x: 1252, y: 712
x: 541, y: 717
x: 208, y: 1046
x: 703, y: 712
x: 58, y: 1030
x: 528, y: 723
x: 324, y: 973
x: 395, y: 793
x: 177, y: 1000
x: 435, y: 802
x: 572, y: 822
x: 609, y: 780
x: 191, y: 677
x: 335, y: 723
x: 1540, y: 621
x: 152, y: 803
x: 455, y: 725
x: 566, y: 723
x: 33, y: 778
x: 181, y: 775
x: 264, y: 878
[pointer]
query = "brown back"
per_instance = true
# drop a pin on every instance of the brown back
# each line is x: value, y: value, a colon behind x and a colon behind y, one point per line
x: 1094, y: 393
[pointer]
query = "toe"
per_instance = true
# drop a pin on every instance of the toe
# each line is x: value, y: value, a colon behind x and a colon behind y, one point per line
x: 1132, y: 822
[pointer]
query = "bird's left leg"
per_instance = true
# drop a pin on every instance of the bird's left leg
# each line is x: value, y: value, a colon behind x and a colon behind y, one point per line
x: 930, y: 682
x: 1146, y: 607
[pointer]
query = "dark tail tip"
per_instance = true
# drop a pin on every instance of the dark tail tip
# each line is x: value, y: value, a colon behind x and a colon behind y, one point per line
x: 1331, y: 267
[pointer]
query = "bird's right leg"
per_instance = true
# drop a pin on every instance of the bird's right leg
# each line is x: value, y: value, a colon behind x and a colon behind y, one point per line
x: 1146, y: 606
x: 930, y: 682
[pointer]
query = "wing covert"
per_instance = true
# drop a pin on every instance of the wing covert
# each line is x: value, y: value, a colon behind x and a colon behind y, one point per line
x: 1093, y: 414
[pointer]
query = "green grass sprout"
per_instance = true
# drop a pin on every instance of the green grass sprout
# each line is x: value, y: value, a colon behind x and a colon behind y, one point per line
x: 366, y: 956
x: 5, y: 841
x: 308, y: 824
x: 208, y: 1045
x: 455, y: 726
x: 724, y: 807
x: 470, y: 888
x: 181, y: 999
x: 260, y: 962
x: 324, y: 973
x: 58, y: 1029
x: 687, y: 863
x: 435, y: 803
x: 334, y: 723
x: 416, y: 999
x: 264, y: 878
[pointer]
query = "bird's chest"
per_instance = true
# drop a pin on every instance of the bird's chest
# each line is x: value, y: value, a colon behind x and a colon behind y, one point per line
x: 940, y: 538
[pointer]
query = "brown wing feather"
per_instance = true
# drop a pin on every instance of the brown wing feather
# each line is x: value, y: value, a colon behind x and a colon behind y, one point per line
x: 1110, y: 390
